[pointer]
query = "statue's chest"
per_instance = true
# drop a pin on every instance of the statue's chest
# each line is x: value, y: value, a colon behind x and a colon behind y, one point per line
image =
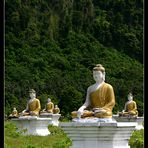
x: 97, y: 99
x: 32, y: 105
x: 130, y: 106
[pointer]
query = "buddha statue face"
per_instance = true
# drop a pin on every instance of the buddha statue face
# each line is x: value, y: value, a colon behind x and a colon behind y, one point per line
x: 48, y: 100
x: 32, y: 95
x: 98, y: 76
x: 130, y: 97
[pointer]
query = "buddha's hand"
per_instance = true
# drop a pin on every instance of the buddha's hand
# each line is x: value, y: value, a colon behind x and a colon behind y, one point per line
x: 31, y: 112
x: 23, y: 111
x: 80, y: 111
x: 99, y: 110
x: 79, y: 114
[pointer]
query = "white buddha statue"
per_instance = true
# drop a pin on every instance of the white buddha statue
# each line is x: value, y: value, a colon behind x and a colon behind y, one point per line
x: 100, y: 98
x: 33, y: 105
x: 14, y: 113
x: 130, y: 108
x: 56, y: 110
x: 49, y: 107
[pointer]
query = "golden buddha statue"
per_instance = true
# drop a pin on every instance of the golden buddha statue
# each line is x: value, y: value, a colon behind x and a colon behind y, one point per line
x: 49, y: 107
x: 14, y: 113
x: 56, y: 110
x: 130, y: 108
x: 33, y: 105
x: 100, y: 98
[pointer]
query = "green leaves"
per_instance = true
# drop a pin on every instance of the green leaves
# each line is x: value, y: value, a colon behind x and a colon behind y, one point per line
x: 52, y: 46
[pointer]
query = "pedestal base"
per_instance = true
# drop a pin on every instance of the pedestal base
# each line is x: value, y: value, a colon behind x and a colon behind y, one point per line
x: 54, y: 118
x: 32, y: 125
x: 99, y: 135
x: 138, y: 120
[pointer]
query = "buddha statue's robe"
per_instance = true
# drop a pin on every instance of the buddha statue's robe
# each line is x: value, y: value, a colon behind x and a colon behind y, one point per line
x: 49, y: 107
x: 33, y: 108
x: 130, y: 109
x: 56, y: 110
x: 101, y: 103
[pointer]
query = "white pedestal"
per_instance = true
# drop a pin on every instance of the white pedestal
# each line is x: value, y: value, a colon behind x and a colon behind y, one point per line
x: 32, y: 125
x: 99, y: 135
x: 54, y: 118
x: 138, y: 120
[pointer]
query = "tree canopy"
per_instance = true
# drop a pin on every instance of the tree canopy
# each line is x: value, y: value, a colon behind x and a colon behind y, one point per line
x: 51, y: 46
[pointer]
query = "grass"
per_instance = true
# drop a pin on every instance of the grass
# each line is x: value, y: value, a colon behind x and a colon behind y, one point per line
x: 13, y: 139
x: 57, y: 138
x: 137, y: 139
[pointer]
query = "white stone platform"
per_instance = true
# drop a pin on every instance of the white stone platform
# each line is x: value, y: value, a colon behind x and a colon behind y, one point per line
x: 99, y: 134
x: 54, y: 118
x: 33, y: 125
x: 138, y: 120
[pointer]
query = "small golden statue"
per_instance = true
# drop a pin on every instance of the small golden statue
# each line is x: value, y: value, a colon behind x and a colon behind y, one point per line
x: 56, y: 110
x: 130, y: 109
x: 49, y: 107
x: 14, y: 113
x: 100, y: 98
x: 33, y: 105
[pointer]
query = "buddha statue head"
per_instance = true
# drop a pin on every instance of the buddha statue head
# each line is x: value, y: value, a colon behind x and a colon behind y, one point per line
x: 99, y: 73
x: 32, y: 93
x: 48, y: 100
x: 130, y: 96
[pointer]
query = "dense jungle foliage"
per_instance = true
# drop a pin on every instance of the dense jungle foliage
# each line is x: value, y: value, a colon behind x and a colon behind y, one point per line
x: 52, y: 46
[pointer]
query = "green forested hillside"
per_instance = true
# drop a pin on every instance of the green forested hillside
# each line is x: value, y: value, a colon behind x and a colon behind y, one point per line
x: 51, y: 46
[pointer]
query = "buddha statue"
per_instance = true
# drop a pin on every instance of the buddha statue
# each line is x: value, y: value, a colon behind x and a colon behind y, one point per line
x: 100, y: 98
x: 33, y: 105
x: 14, y: 113
x: 49, y: 107
x: 130, y: 108
x: 56, y: 110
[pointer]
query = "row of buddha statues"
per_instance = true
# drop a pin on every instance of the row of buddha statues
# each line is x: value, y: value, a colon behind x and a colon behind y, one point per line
x: 100, y: 100
x: 34, y: 107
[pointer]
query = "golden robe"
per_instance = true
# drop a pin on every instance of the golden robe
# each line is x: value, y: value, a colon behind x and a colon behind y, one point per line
x: 103, y: 98
x: 49, y: 107
x: 130, y: 109
x: 56, y: 110
x: 34, y: 106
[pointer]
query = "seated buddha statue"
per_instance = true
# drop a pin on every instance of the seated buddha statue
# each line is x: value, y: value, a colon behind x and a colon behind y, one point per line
x: 33, y: 105
x: 56, y: 110
x: 130, y: 108
x: 100, y: 98
x: 14, y: 113
x: 49, y: 107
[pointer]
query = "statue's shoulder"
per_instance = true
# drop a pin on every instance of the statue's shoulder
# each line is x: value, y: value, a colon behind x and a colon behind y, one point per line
x: 108, y: 85
x: 90, y: 87
x: 36, y: 99
x: 134, y: 102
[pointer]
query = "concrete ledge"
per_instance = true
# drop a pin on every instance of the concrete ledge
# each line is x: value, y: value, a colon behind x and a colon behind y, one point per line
x: 137, y: 120
x: 99, y: 135
x: 54, y: 118
x: 32, y: 125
